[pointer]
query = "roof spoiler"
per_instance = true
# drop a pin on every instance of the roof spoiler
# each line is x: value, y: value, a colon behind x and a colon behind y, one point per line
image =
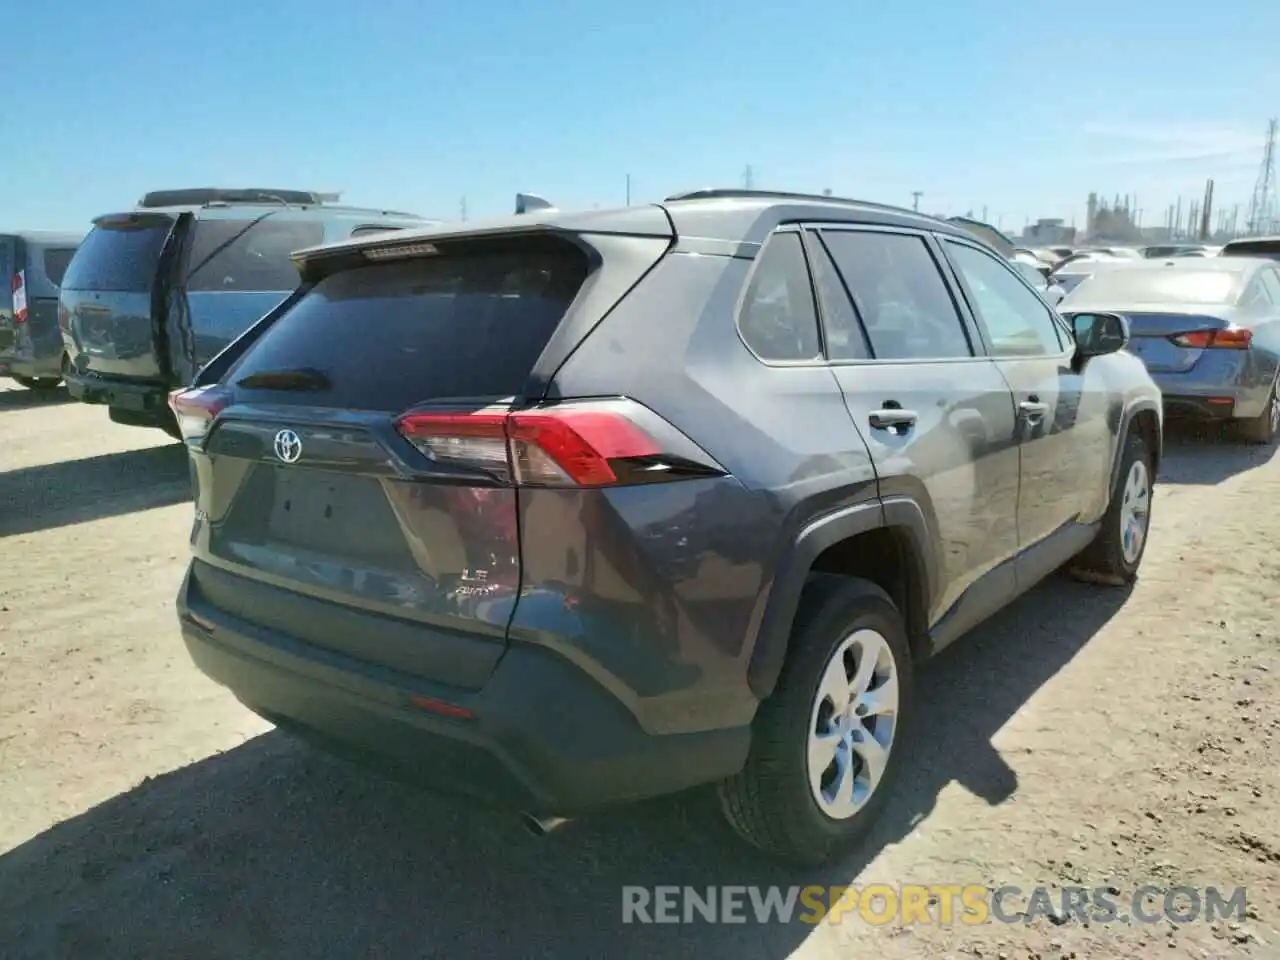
x: 531, y: 202
x: 987, y: 234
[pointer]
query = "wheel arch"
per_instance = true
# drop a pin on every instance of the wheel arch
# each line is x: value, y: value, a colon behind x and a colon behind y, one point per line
x: 1144, y: 418
x: 885, y: 542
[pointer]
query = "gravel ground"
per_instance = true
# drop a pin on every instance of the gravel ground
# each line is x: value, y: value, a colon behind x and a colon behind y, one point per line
x: 1085, y: 736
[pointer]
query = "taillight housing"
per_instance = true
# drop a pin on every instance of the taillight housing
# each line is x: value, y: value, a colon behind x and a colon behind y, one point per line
x: 18, y: 287
x: 1228, y: 338
x: 598, y: 444
x: 195, y: 409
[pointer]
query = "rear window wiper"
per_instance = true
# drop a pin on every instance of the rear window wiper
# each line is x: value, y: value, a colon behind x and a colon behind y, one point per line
x: 304, y: 378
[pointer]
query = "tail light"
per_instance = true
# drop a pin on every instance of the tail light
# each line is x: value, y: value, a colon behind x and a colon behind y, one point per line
x: 1230, y: 338
x: 195, y: 409
x: 563, y: 446
x: 19, y: 289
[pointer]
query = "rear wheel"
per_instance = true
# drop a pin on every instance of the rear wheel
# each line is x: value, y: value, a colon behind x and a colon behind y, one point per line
x: 826, y: 744
x: 1263, y: 427
x: 38, y: 383
x: 1116, y: 553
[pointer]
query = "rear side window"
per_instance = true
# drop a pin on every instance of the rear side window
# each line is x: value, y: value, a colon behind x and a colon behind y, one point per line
x: 248, y: 255
x: 392, y: 335
x: 119, y: 255
x: 779, y: 320
x: 56, y: 260
x: 1269, y: 249
x: 900, y: 294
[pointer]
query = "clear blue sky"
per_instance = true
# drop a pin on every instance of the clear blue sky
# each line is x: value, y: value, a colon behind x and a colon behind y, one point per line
x: 1022, y: 107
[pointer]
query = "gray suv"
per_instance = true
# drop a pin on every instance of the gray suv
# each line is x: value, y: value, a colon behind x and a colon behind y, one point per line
x: 572, y: 509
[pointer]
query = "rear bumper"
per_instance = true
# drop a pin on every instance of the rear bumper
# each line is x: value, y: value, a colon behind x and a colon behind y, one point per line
x: 542, y: 736
x: 143, y: 398
x: 1200, y: 408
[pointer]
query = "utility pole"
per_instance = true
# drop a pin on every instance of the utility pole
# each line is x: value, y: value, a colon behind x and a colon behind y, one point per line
x: 984, y: 213
x: 1261, y: 207
x: 462, y: 209
x: 915, y: 199
x: 1206, y: 212
x: 628, y: 189
x: 748, y: 178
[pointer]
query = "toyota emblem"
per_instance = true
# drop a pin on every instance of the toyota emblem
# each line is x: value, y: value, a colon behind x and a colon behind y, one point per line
x: 288, y: 446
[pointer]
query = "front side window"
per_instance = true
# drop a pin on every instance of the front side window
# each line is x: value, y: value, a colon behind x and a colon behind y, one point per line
x: 1018, y: 322
x: 900, y: 295
x: 779, y: 320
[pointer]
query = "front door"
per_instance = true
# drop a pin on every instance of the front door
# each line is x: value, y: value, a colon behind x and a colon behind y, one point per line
x: 936, y: 414
x: 1062, y: 429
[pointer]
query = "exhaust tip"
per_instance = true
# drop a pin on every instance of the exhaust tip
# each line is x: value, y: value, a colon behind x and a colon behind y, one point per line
x: 541, y: 826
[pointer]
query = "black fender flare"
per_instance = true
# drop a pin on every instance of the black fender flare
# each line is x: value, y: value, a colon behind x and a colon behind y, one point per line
x: 901, y: 513
x: 1122, y: 437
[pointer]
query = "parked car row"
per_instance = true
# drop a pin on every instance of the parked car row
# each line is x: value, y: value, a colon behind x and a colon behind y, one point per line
x: 565, y: 510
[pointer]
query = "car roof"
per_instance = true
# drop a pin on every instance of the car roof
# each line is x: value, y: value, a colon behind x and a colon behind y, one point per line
x: 735, y: 217
x: 47, y: 237
x: 1203, y: 264
x: 310, y: 211
x: 1247, y: 241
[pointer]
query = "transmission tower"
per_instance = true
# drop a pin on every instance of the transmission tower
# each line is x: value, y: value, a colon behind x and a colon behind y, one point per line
x: 1262, y: 206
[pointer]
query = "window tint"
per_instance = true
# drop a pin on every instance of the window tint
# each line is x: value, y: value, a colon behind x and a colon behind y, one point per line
x: 844, y: 336
x: 1271, y: 280
x: 56, y: 260
x: 900, y: 294
x: 388, y: 336
x: 1017, y: 321
x: 119, y: 255
x: 243, y: 255
x: 779, y: 320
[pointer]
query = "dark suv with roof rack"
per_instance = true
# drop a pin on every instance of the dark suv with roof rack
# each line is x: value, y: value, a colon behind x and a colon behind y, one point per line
x: 572, y: 509
x: 155, y: 292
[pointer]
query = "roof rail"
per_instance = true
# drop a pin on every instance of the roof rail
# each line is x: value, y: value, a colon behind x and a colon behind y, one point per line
x: 200, y: 196
x: 714, y: 193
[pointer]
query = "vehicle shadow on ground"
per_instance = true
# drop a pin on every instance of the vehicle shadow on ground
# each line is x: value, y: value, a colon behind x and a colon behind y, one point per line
x: 271, y: 849
x: 1207, y: 454
x: 76, y: 491
x: 31, y: 399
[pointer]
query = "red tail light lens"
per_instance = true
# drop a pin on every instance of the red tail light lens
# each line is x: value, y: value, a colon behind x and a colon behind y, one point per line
x: 195, y: 408
x: 561, y: 447
x: 18, y: 287
x: 1230, y: 338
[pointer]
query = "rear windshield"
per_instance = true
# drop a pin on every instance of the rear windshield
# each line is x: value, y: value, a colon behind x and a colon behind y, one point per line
x: 1167, y: 285
x: 389, y: 336
x: 56, y: 260
x: 248, y: 255
x: 119, y: 255
x: 1270, y: 249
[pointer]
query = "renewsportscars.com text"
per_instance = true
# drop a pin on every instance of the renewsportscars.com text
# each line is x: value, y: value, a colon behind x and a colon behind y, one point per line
x: 943, y: 904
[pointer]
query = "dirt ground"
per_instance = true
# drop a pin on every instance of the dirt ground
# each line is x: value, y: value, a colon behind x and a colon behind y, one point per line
x: 1084, y: 737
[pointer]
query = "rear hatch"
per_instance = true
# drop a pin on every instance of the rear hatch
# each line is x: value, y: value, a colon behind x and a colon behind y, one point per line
x: 237, y: 269
x: 355, y: 490
x: 107, y: 298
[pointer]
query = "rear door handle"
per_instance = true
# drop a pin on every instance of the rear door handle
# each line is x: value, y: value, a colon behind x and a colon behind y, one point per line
x: 1033, y: 408
x: 892, y: 417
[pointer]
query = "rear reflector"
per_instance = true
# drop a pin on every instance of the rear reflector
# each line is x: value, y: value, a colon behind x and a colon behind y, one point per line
x: 1230, y: 338
x: 442, y: 707
x: 195, y: 408
x: 560, y: 447
x: 19, y: 289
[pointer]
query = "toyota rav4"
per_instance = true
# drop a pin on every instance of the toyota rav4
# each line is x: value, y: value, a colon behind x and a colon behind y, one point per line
x: 565, y: 510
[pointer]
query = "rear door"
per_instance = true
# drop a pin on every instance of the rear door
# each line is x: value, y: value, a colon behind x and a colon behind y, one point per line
x: 107, y: 295
x: 8, y: 272
x: 236, y: 270
x: 314, y: 508
x: 936, y: 414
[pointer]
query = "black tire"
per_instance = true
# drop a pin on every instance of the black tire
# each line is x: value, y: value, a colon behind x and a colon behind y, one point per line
x: 770, y: 803
x: 1262, y: 428
x: 38, y: 383
x: 1103, y: 561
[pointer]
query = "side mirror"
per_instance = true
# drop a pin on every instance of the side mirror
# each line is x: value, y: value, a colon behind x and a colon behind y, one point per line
x: 1054, y: 294
x: 1098, y: 334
